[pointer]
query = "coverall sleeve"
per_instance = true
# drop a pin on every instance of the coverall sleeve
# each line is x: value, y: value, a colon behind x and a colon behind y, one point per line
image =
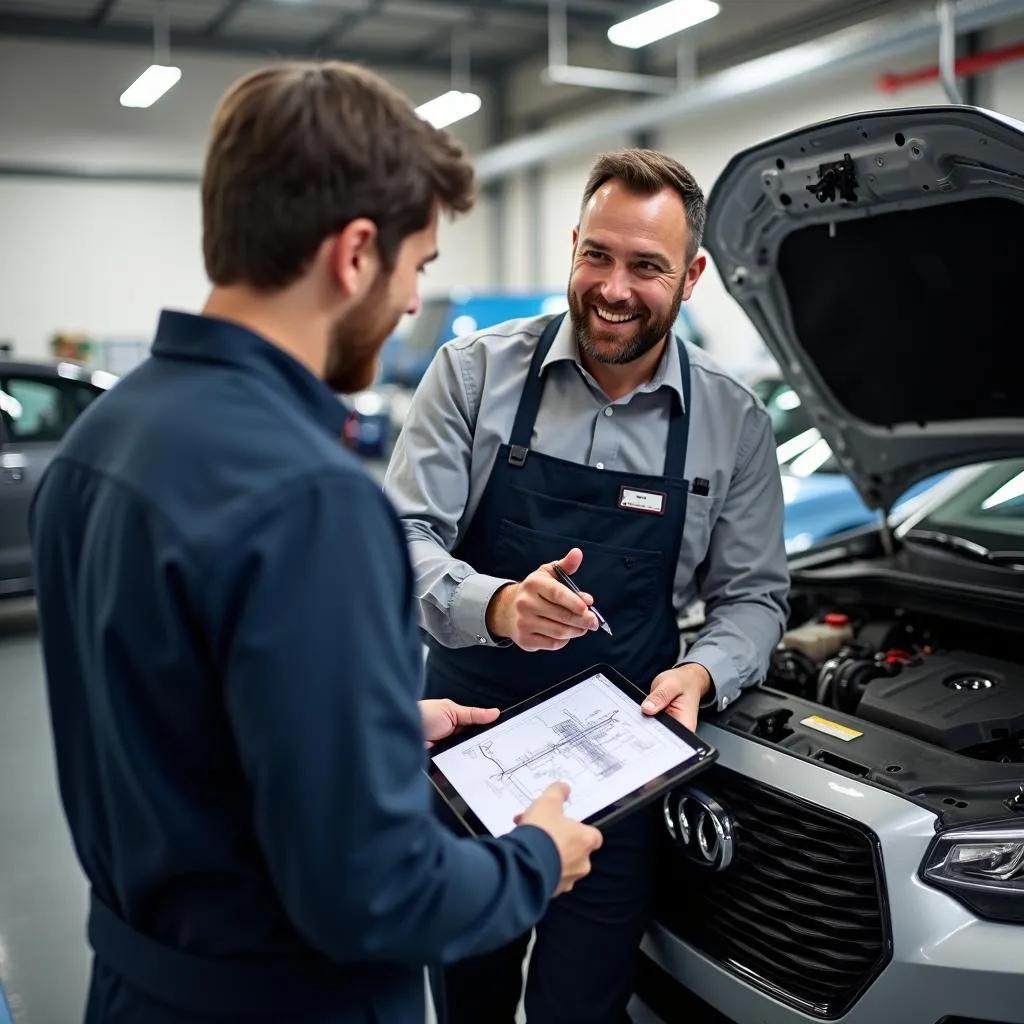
x: 323, y: 668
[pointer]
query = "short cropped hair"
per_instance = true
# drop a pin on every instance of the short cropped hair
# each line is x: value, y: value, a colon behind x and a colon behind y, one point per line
x: 648, y: 171
x: 299, y: 150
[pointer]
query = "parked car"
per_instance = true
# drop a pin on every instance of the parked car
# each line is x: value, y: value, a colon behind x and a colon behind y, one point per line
x: 821, y: 501
x: 857, y: 853
x: 38, y: 403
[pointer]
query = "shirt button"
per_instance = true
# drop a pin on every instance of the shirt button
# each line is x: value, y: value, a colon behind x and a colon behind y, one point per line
x: 481, y: 639
x: 600, y: 465
x: 608, y: 411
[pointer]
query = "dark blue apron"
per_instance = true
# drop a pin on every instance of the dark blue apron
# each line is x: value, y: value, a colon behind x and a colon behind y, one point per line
x: 533, y: 510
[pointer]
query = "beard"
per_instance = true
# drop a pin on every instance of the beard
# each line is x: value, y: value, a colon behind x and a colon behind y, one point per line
x: 614, y: 347
x: 357, y: 338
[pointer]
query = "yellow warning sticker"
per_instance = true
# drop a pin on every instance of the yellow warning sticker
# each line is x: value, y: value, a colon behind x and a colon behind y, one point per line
x: 841, y: 732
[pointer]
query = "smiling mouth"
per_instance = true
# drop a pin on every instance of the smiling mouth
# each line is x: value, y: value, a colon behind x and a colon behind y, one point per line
x: 614, y: 318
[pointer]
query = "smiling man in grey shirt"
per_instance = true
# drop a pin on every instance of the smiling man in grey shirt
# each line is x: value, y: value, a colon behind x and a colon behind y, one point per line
x: 598, y: 442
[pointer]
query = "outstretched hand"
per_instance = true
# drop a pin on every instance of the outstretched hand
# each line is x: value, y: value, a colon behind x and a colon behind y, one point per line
x: 541, y: 613
x: 443, y: 717
x: 679, y: 691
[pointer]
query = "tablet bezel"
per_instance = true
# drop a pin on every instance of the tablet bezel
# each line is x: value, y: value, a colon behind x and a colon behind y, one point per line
x: 704, y: 756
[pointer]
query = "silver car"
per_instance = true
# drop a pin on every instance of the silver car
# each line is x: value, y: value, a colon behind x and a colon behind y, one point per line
x: 857, y: 854
x: 38, y: 403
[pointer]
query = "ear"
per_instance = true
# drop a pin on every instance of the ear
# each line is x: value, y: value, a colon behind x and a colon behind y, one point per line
x: 693, y: 272
x: 355, y: 257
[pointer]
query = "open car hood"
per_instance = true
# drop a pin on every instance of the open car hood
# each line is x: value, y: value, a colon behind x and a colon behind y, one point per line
x: 880, y: 257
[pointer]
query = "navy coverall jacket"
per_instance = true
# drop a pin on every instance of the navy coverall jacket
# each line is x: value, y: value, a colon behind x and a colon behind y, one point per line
x: 232, y: 660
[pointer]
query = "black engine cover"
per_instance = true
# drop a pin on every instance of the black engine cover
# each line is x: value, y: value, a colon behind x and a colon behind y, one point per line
x: 953, y: 699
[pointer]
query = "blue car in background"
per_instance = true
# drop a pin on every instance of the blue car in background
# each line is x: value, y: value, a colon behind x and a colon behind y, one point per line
x: 380, y: 410
x: 821, y: 501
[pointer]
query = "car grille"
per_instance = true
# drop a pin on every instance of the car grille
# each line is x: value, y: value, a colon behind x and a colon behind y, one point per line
x: 800, y: 912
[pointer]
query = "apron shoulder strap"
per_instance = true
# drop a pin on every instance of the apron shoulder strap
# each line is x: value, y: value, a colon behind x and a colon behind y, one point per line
x: 533, y: 389
x: 679, y: 424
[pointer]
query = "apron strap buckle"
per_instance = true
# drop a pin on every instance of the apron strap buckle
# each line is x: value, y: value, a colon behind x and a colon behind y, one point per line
x: 517, y: 455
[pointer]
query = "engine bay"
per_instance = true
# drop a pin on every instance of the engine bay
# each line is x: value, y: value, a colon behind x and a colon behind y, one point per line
x: 907, y: 676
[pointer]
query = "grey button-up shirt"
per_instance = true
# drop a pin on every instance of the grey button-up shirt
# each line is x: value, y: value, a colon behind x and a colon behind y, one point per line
x: 732, y: 554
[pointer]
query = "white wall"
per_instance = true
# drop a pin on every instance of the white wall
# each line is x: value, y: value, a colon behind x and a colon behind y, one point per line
x: 103, y: 258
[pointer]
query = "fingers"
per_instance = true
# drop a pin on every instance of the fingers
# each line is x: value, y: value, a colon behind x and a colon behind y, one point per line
x: 557, y: 792
x: 473, y: 716
x: 543, y: 642
x: 686, y: 715
x: 660, y: 697
x: 561, y: 597
x: 571, y: 560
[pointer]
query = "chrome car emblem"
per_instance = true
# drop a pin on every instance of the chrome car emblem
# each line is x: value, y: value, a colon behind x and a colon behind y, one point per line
x: 701, y: 827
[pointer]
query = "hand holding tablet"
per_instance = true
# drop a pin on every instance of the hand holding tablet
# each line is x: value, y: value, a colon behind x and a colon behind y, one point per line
x: 587, y: 731
x: 575, y: 842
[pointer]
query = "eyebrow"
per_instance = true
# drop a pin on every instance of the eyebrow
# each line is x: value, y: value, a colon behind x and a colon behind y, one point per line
x: 650, y: 255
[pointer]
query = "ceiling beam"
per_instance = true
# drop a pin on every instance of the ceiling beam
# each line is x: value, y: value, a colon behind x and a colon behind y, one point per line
x: 344, y: 24
x: 217, y: 23
x: 780, y: 36
x: 37, y: 27
x: 445, y: 37
x: 595, y: 15
x: 99, y: 14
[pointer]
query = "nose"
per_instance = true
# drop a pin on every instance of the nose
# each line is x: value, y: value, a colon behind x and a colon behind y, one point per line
x: 414, y: 303
x: 615, y: 288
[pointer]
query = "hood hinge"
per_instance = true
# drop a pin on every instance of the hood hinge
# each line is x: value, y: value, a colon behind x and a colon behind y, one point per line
x: 888, y: 540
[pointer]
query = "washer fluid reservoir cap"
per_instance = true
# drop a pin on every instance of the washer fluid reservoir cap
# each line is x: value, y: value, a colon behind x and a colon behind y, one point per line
x: 837, y: 619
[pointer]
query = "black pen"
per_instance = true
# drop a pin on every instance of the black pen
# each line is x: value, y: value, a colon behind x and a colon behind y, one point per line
x: 565, y: 578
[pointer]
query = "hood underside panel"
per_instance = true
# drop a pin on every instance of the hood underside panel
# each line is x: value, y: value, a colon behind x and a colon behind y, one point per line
x: 880, y: 257
x: 914, y: 316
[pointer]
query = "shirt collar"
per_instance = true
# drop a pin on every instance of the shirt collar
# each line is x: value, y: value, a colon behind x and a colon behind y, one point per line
x: 669, y: 372
x: 201, y: 338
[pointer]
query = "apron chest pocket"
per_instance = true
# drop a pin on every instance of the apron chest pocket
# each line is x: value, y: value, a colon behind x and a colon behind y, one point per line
x: 622, y: 580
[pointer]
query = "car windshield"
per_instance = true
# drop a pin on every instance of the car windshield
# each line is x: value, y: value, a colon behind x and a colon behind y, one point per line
x: 800, y: 447
x: 988, y: 511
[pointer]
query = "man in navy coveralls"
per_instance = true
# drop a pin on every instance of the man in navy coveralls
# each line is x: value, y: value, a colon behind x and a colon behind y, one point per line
x: 226, y: 607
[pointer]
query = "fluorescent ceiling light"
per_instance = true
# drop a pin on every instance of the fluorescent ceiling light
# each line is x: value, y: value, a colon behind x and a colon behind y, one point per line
x: 661, y: 21
x: 150, y: 86
x: 449, y: 107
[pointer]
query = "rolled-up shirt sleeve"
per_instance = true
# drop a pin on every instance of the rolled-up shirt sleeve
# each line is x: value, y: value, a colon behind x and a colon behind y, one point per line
x: 428, y: 481
x: 744, y: 580
x: 322, y: 669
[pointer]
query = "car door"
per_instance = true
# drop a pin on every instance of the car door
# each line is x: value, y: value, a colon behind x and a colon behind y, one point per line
x: 37, y: 410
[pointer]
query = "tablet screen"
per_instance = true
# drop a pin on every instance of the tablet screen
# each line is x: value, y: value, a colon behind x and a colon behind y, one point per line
x: 591, y: 736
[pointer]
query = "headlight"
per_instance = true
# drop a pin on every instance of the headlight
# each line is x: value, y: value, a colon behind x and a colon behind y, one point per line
x: 982, y: 867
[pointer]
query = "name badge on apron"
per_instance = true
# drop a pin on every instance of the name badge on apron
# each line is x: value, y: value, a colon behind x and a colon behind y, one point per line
x: 651, y: 502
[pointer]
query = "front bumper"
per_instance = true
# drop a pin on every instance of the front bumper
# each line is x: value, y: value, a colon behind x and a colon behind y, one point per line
x: 945, y: 962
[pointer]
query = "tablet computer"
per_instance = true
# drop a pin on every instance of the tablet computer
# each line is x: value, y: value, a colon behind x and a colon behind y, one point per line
x: 587, y: 731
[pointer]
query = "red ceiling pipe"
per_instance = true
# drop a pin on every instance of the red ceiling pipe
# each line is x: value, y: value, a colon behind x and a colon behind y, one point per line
x: 966, y: 67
